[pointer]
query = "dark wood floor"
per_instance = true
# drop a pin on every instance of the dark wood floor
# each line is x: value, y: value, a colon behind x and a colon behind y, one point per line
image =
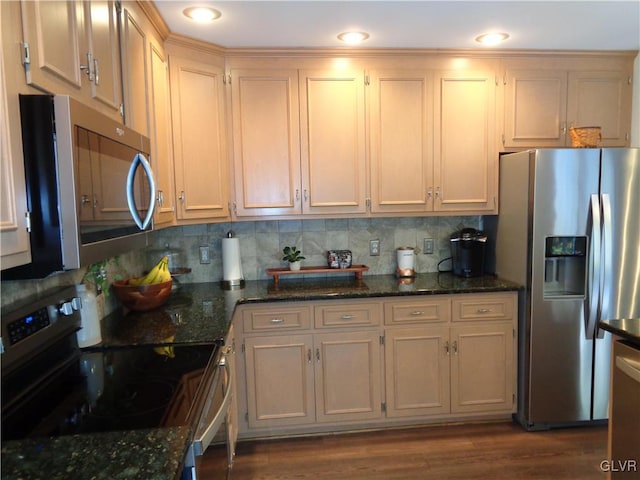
x: 488, y: 451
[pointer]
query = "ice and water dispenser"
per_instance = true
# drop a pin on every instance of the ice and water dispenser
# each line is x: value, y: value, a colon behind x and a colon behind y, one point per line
x: 565, y: 266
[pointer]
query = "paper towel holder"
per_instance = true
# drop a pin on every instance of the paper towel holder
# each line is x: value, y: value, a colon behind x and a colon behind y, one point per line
x: 231, y: 283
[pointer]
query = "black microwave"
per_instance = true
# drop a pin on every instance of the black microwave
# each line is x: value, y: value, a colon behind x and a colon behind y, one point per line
x: 90, y: 187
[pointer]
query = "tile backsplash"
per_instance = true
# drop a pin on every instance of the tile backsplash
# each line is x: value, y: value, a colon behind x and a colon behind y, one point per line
x: 261, y: 244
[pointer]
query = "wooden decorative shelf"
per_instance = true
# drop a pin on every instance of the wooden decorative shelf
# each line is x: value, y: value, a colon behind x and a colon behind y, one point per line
x: 277, y: 272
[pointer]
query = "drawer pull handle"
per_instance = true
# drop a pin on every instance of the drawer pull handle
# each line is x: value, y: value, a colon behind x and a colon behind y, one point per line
x: 317, y: 354
x: 347, y: 317
x: 446, y: 347
x: 417, y: 313
x: 484, y: 310
x: 277, y: 320
x: 309, y: 356
x: 455, y: 347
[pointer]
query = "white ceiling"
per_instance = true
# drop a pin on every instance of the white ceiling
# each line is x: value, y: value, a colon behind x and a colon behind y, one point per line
x: 539, y: 25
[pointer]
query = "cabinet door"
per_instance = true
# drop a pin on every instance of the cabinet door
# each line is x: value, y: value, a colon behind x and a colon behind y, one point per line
x: 14, y: 239
x: 279, y: 380
x: 417, y: 371
x: 466, y: 164
x: 401, y: 120
x: 161, y: 149
x: 332, y: 121
x: 266, y: 142
x: 535, y: 108
x: 482, y: 368
x: 601, y: 99
x: 54, y: 31
x: 347, y: 376
x: 197, y: 108
x: 102, y: 31
x: 134, y: 70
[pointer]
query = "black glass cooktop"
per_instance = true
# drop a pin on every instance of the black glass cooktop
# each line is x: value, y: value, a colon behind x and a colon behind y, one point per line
x: 112, y: 389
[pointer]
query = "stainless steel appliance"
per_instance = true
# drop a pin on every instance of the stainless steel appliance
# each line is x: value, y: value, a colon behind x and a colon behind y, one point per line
x: 90, y: 187
x: 568, y: 230
x: 468, y: 252
x: 51, y: 388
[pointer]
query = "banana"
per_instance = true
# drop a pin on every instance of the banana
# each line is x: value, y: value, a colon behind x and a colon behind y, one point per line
x: 157, y: 273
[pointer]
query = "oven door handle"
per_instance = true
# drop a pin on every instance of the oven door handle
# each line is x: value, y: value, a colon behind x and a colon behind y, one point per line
x: 201, y: 443
x: 140, y: 160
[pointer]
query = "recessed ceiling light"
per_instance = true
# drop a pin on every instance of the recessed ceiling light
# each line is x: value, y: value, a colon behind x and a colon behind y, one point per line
x: 353, y: 38
x: 491, y: 39
x: 201, y: 14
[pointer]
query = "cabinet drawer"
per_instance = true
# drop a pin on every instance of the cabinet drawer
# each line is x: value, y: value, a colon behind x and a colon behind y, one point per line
x: 347, y: 315
x: 486, y: 306
x: 418, y: 310
x: 276, y: 317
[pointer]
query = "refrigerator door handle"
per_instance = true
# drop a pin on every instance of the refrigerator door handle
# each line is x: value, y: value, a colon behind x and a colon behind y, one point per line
x: 607, y: 246
x: 592, y: 304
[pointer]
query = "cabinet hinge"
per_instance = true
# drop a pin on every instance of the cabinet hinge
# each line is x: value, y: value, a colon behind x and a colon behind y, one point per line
x: 383, y: 407
x: 27, y: 221
x: 26, y: 56
x: 381, y: 339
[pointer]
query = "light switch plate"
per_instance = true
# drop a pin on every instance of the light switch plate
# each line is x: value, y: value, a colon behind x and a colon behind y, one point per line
x: 428, y: 246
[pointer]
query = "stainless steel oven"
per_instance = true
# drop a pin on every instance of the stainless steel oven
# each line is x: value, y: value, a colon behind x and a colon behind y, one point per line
x: 52, y: 388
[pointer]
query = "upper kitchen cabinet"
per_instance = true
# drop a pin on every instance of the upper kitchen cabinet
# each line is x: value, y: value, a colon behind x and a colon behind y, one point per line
x: 465, y: 154
x: 266, y: 142
x: 299, y: 145
x: 332, y: 138
x: 401, y: 126
x: 544, y: 97
x: 145, y: 69
x: 199, y: 136
x: 72, y: 48
x: 14, y: 239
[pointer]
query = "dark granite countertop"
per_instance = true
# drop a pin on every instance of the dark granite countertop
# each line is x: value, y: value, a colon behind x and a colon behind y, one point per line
x: 154, y: 454
x: 195, y: 314
x: 202, y: 312
x: 626, y: 328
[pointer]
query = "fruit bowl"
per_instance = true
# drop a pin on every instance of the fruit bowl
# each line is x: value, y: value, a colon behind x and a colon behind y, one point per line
x: 142, y: 297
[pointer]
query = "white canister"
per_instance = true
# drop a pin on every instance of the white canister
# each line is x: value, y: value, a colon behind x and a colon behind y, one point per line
x: 89, y: 333
x: 406, y: 261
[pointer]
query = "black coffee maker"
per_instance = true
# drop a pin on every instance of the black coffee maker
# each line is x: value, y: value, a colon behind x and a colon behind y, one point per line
x: 467, y: 252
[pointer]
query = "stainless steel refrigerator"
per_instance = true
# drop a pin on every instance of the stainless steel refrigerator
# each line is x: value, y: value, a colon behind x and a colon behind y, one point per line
x: 569, y: 231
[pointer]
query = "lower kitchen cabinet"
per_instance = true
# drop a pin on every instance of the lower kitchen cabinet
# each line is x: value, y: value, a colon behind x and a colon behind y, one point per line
x: 377, y: 362
x: 299, y: 379
x: 417, y: 371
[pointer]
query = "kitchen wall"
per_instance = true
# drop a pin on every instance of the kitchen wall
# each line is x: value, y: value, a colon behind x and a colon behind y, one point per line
x: 261, y: 245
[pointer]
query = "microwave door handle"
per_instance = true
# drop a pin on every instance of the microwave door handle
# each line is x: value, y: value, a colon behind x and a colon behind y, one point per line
x: 595, y: 252
x: 201, y: 443
x: 140, y: 160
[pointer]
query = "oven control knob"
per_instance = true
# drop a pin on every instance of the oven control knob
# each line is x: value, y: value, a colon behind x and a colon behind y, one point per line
x: 66, y: 308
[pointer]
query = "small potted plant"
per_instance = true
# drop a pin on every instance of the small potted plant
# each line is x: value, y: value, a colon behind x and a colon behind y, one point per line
x: 293, y: 256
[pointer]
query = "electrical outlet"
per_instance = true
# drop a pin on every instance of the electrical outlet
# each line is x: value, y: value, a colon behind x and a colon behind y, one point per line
x: 428, y: 246
x: 374, y: 248
x: 204, y: 254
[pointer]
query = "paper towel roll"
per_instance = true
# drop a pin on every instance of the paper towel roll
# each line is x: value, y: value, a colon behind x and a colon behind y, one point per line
x: 231, y: 263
